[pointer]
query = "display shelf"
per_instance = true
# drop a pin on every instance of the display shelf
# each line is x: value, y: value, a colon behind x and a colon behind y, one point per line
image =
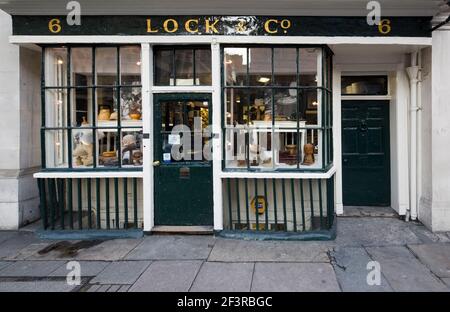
x: 129, y: 124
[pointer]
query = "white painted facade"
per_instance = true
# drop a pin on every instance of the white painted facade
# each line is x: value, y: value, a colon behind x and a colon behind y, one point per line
x: 353, y: 55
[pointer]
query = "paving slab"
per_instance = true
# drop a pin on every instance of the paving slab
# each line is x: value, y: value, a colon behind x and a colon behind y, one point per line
x: 124, y: 288
x: 403, y: 271
x: 446, y: 282
x: 121, y: 272
x: 374, y: 232
x: 88, y: 268
x: 229, y: 250
x: 11, y: 247
x: 29, y: 251
x: 93, y: 288
x: 364, y: 211
x: 31, y: 268
x: 435, y: 256
x: 114, y: 288
x: 109, y: 250
x: 224, y: 277
x: 169, y: 276
x: 173, y: 247
x: 350, y: 266
x: 294, y: 277
x: 5, y: 235
x: 36, y: 286
x: 4, y: 264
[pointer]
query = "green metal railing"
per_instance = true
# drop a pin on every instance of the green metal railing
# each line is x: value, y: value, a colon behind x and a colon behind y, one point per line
x: 278, y: 205
x: 90, y: 203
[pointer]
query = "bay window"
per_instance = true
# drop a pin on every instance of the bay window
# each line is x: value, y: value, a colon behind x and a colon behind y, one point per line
x: 92, y: 107
x: 277, y: 108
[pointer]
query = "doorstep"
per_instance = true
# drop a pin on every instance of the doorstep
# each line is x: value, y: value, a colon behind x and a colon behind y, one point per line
x: 175, y: 229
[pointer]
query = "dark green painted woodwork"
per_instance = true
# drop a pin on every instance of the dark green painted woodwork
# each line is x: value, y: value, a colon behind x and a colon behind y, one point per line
x: 365, y: 153
x: 183, y: 190
x: 226, y: 25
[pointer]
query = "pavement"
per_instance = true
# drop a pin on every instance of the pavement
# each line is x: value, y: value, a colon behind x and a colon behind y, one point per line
x: 381, y: 253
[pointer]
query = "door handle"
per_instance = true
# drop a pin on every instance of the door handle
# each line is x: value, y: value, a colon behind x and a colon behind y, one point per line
x: 156, y: 163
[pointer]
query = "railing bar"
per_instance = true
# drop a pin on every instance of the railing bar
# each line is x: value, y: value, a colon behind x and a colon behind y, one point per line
x: 238, y: 202
x: 311, y: 200
x: 302, y: 202
x: 70, y: 201
x: 80, y: 205
x: 275, y: 202
x: 229, y: 203
x: 256, y: 204
x: 267, y: 207
x: 135, y: 203
x: 61, y: 201
x: 98, y: 203
x: 125, y: 201
x: 283, y: 189
x: 52, y: 195
x: 89, y: 202
x: 320, y: 203
x: 116, y: 200
x: 294, y: 213
x: 43, y: 202
x: 246, y: 204
x: 108, y: 224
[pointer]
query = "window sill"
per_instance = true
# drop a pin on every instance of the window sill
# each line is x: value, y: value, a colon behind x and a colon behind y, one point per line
x: 280, y: 174
x: 88, y: 174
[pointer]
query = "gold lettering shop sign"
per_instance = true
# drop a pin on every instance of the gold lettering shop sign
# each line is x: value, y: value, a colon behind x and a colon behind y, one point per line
x: 222, y: 25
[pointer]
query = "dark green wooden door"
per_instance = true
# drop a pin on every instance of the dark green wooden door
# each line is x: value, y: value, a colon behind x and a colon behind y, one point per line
x: 183, y: 181
x: 365, y: 153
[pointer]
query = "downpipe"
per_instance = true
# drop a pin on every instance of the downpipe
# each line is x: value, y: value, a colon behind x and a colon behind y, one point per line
x: 413, y: 74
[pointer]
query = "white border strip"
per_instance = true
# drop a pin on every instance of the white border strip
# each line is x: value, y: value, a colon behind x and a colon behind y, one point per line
x: 89, y: 174
x: 280, y: 175
x: 424, y: 41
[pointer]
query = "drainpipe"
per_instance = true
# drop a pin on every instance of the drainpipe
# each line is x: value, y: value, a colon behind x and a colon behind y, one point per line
x: 413, y: 73
x: 419, y: 134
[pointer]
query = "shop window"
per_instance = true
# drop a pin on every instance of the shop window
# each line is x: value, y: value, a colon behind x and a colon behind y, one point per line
x: 364, y: 85
x: 92, y: 107
x: 182, y: 66
x: 277, y: 108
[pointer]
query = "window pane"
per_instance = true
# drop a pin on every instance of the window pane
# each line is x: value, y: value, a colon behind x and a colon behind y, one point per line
x: 309, y: 63
x: 260, y: 66
x: 285, y: 107
x: 203, y: 66
x: 56, y: 67
x: 260, y: 110
x: 285, y: 64
x: 106, y: 66
x: 235, y: 66
x: 287, y: 145
x: 56, y: 149
x: 81, y: 106
x: 131, y: 103
x: 56, y: 108
x: 108, y: 155
x: 130, y: 65
x: 131, y: 148
x: 311, y: 153
x: 164, y: 67
x: 81, y: 66
x: 309, y: 106
x: 235, y: 148
x: 82, y: 148
x: 107, y: 114
x: 364, y: 85
x: 184, y: 71
x: 236, y: 107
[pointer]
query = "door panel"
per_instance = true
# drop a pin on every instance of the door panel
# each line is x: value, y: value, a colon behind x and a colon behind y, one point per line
x: 365, y: 153
x: 183, y: 180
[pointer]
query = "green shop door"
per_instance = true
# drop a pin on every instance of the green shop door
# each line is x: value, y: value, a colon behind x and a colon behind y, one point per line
x: 365, y: 153
x: 182, y: 170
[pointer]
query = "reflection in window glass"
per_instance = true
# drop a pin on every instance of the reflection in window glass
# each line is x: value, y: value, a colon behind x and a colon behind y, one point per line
x: 56, y: 67
x: 235, y: 66
x: 106, y: 66
x: 107, y: 151
x: 56, y: 154
x: 184, y: 71
x: 81, y: 66
x: 81, y: 97
x: 285, y: 64
x: 56, y: 107
x: 132, y: 148
x: 236, y: 107
x: 83, y: 145
x: 130, y: 65
x: 163, y: 67
x: 309, y: 63
x: 203, y: 66
x: 260, y: 66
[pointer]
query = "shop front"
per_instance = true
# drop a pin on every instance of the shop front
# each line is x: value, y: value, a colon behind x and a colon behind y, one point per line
x: 249, y: 126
